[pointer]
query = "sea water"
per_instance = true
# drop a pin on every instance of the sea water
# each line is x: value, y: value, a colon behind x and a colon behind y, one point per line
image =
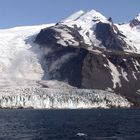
x: 81, y: 124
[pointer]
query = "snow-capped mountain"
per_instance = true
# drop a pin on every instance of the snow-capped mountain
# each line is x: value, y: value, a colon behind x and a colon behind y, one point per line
x: 86, y: 50
x: 97, y: 31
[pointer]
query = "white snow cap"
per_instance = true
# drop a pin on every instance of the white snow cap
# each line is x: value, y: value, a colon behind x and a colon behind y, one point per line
x: 92, y: 15
x: 85, y: 16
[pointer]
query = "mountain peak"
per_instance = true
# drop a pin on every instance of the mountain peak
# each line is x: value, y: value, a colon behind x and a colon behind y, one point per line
x: 138, y: 17
x: 92, y: 15
x: 136, y: 21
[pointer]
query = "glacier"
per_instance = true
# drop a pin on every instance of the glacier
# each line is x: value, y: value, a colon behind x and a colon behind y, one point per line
x: 46, y: 98
x: 18, y: 58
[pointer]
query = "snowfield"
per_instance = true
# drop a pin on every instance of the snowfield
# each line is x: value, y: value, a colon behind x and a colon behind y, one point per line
x: 133, y: 36
x: 18, y: 58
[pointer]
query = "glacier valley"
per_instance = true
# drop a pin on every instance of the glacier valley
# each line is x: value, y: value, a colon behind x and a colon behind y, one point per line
x: 43, y: 74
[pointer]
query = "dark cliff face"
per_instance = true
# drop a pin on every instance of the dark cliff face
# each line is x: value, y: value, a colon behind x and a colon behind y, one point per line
x: 65, y: 65
x: 50, y: 36
x: 109, y: 38
x: 82, y: 68
x: 62, y: 63
x: 46, y: 36
x: 98, y: 74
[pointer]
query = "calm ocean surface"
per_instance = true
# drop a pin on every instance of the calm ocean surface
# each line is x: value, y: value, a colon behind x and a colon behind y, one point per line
x: 90, y: 124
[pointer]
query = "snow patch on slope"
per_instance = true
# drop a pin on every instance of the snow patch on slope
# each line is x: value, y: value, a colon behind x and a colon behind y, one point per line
x: 138, y: 17
x: 132, y: 37
x: 66, y: 38
x: 124, y: 74
x: 115, y: 75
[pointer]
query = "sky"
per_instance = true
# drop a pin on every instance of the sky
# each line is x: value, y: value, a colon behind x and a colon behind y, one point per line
x: 34, y: 12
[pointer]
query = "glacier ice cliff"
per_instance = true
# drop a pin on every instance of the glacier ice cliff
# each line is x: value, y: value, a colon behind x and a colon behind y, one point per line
x: 46, y: 98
